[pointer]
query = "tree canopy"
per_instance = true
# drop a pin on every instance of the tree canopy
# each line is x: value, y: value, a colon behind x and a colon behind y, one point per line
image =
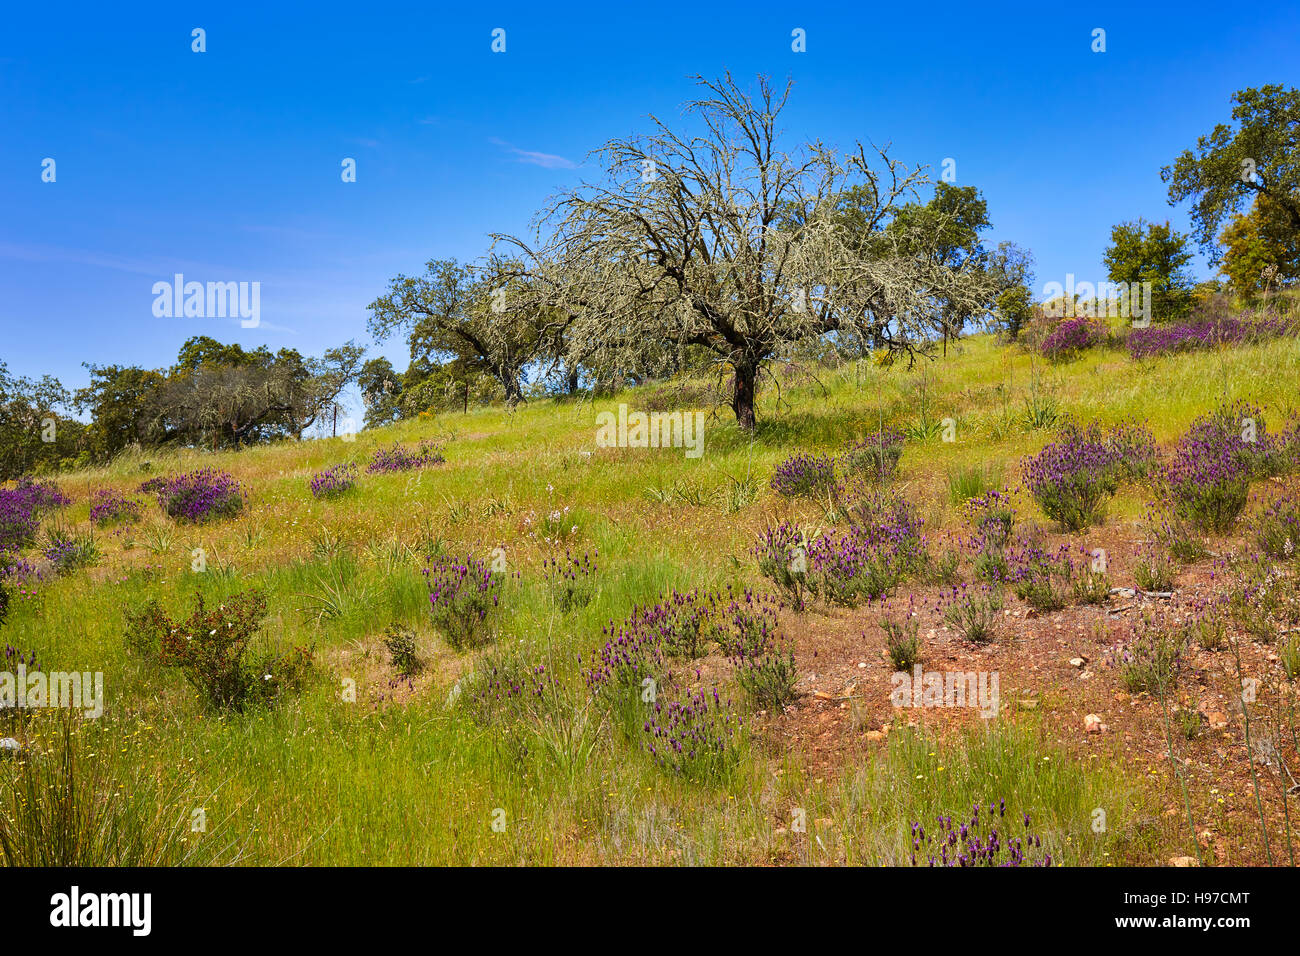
x: 1258, y: 157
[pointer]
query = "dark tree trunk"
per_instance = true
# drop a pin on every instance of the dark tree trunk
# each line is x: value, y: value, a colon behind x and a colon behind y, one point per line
x: 514, y: 393
x: 742, y: 394
x: 573, y: 381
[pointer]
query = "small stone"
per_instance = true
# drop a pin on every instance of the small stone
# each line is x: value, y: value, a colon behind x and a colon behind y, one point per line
x: 1077, y: 662
x: 1029, y: 703
x: 1183, y: 861
x: 1092, y: 724
x: 1218, y: 721
x: 875, y: 735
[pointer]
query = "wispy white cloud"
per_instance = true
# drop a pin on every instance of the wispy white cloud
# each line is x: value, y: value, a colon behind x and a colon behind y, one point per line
x: 533, y: 158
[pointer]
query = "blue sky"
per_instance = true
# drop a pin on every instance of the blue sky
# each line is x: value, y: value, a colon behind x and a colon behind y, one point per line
x: 225, y: 165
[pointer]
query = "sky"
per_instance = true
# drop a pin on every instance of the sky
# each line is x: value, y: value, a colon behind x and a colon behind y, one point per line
x: 226, y: 165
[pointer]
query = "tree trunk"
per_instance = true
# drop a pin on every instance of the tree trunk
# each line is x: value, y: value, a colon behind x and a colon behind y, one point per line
x: 742, y: 395
x: 573, y: 381
x: 514, y: 393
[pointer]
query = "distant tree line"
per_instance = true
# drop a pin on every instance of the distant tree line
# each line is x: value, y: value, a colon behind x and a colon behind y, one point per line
x: 214, y: 396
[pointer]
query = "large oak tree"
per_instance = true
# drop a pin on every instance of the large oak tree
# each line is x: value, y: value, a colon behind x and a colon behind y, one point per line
x: 718, y: 237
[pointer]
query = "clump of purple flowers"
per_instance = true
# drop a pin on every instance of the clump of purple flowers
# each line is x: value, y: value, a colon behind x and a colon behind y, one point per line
x: 21, y: 510
x: 782, y: 555
x: 1073, y: 477
x: 993, y: 517
x: 463, y: 596
x: 67, y: 552
x: 1206, y: 332
x: 1072, y: 337
x: 199, y: 496
x: 570, y: 579
x: 1208, y: 477
x: 977, y: 842
x: 882, y: 545
x: 397, y: 458
x: 692, y: 735
x: 804, y: 476
x: 110, y: 507
x: 334, y: 482
x: 1276, y: 529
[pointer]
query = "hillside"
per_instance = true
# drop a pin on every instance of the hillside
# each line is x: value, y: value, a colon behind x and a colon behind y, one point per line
x: 429, y: 769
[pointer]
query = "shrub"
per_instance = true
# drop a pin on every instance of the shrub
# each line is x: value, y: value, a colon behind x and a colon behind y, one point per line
x: 463, y: 596
x: 1155, y: 570
x: 1072, y: 478
x: 1175, y: 535
x: 111, y: 507
x: 1153, y: 661
x: 1092, y: 586
x: 1133, y: 448
x: 67, y: 552
x: 1071, y: 337
x: 782, y: 554
x: 213, y: 649
x: 21, y: 510
x: 1039, y: 578
x: 693, y: 735
x: 1205, y: 331
x: 993, y: 518
x: 1264, y: 600
x: 746, y: 632
x: 902, y: 641
x: 1276, y: 529
x: 200, y: 496
x: 397, y: 458
x: 875, y: 456
x: 1208, y: 477
x: 768, y: 678
x: 963, y: 845
x: 334, y: 482
x: 400, y: 642
x: 570, y: 580
x: 804, y: 476
x: 973, y: 614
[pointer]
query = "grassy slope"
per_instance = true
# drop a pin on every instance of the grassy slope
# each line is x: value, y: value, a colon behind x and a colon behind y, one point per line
x: 324, y: 781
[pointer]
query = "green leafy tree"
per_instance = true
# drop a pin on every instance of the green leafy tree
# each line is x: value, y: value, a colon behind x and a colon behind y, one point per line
x: 119, y: 400
x: 1261, y: 251
x: 34, y: 434
x: 485, y: 317
x: 1152, y: 252
x: 1257, y: 157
